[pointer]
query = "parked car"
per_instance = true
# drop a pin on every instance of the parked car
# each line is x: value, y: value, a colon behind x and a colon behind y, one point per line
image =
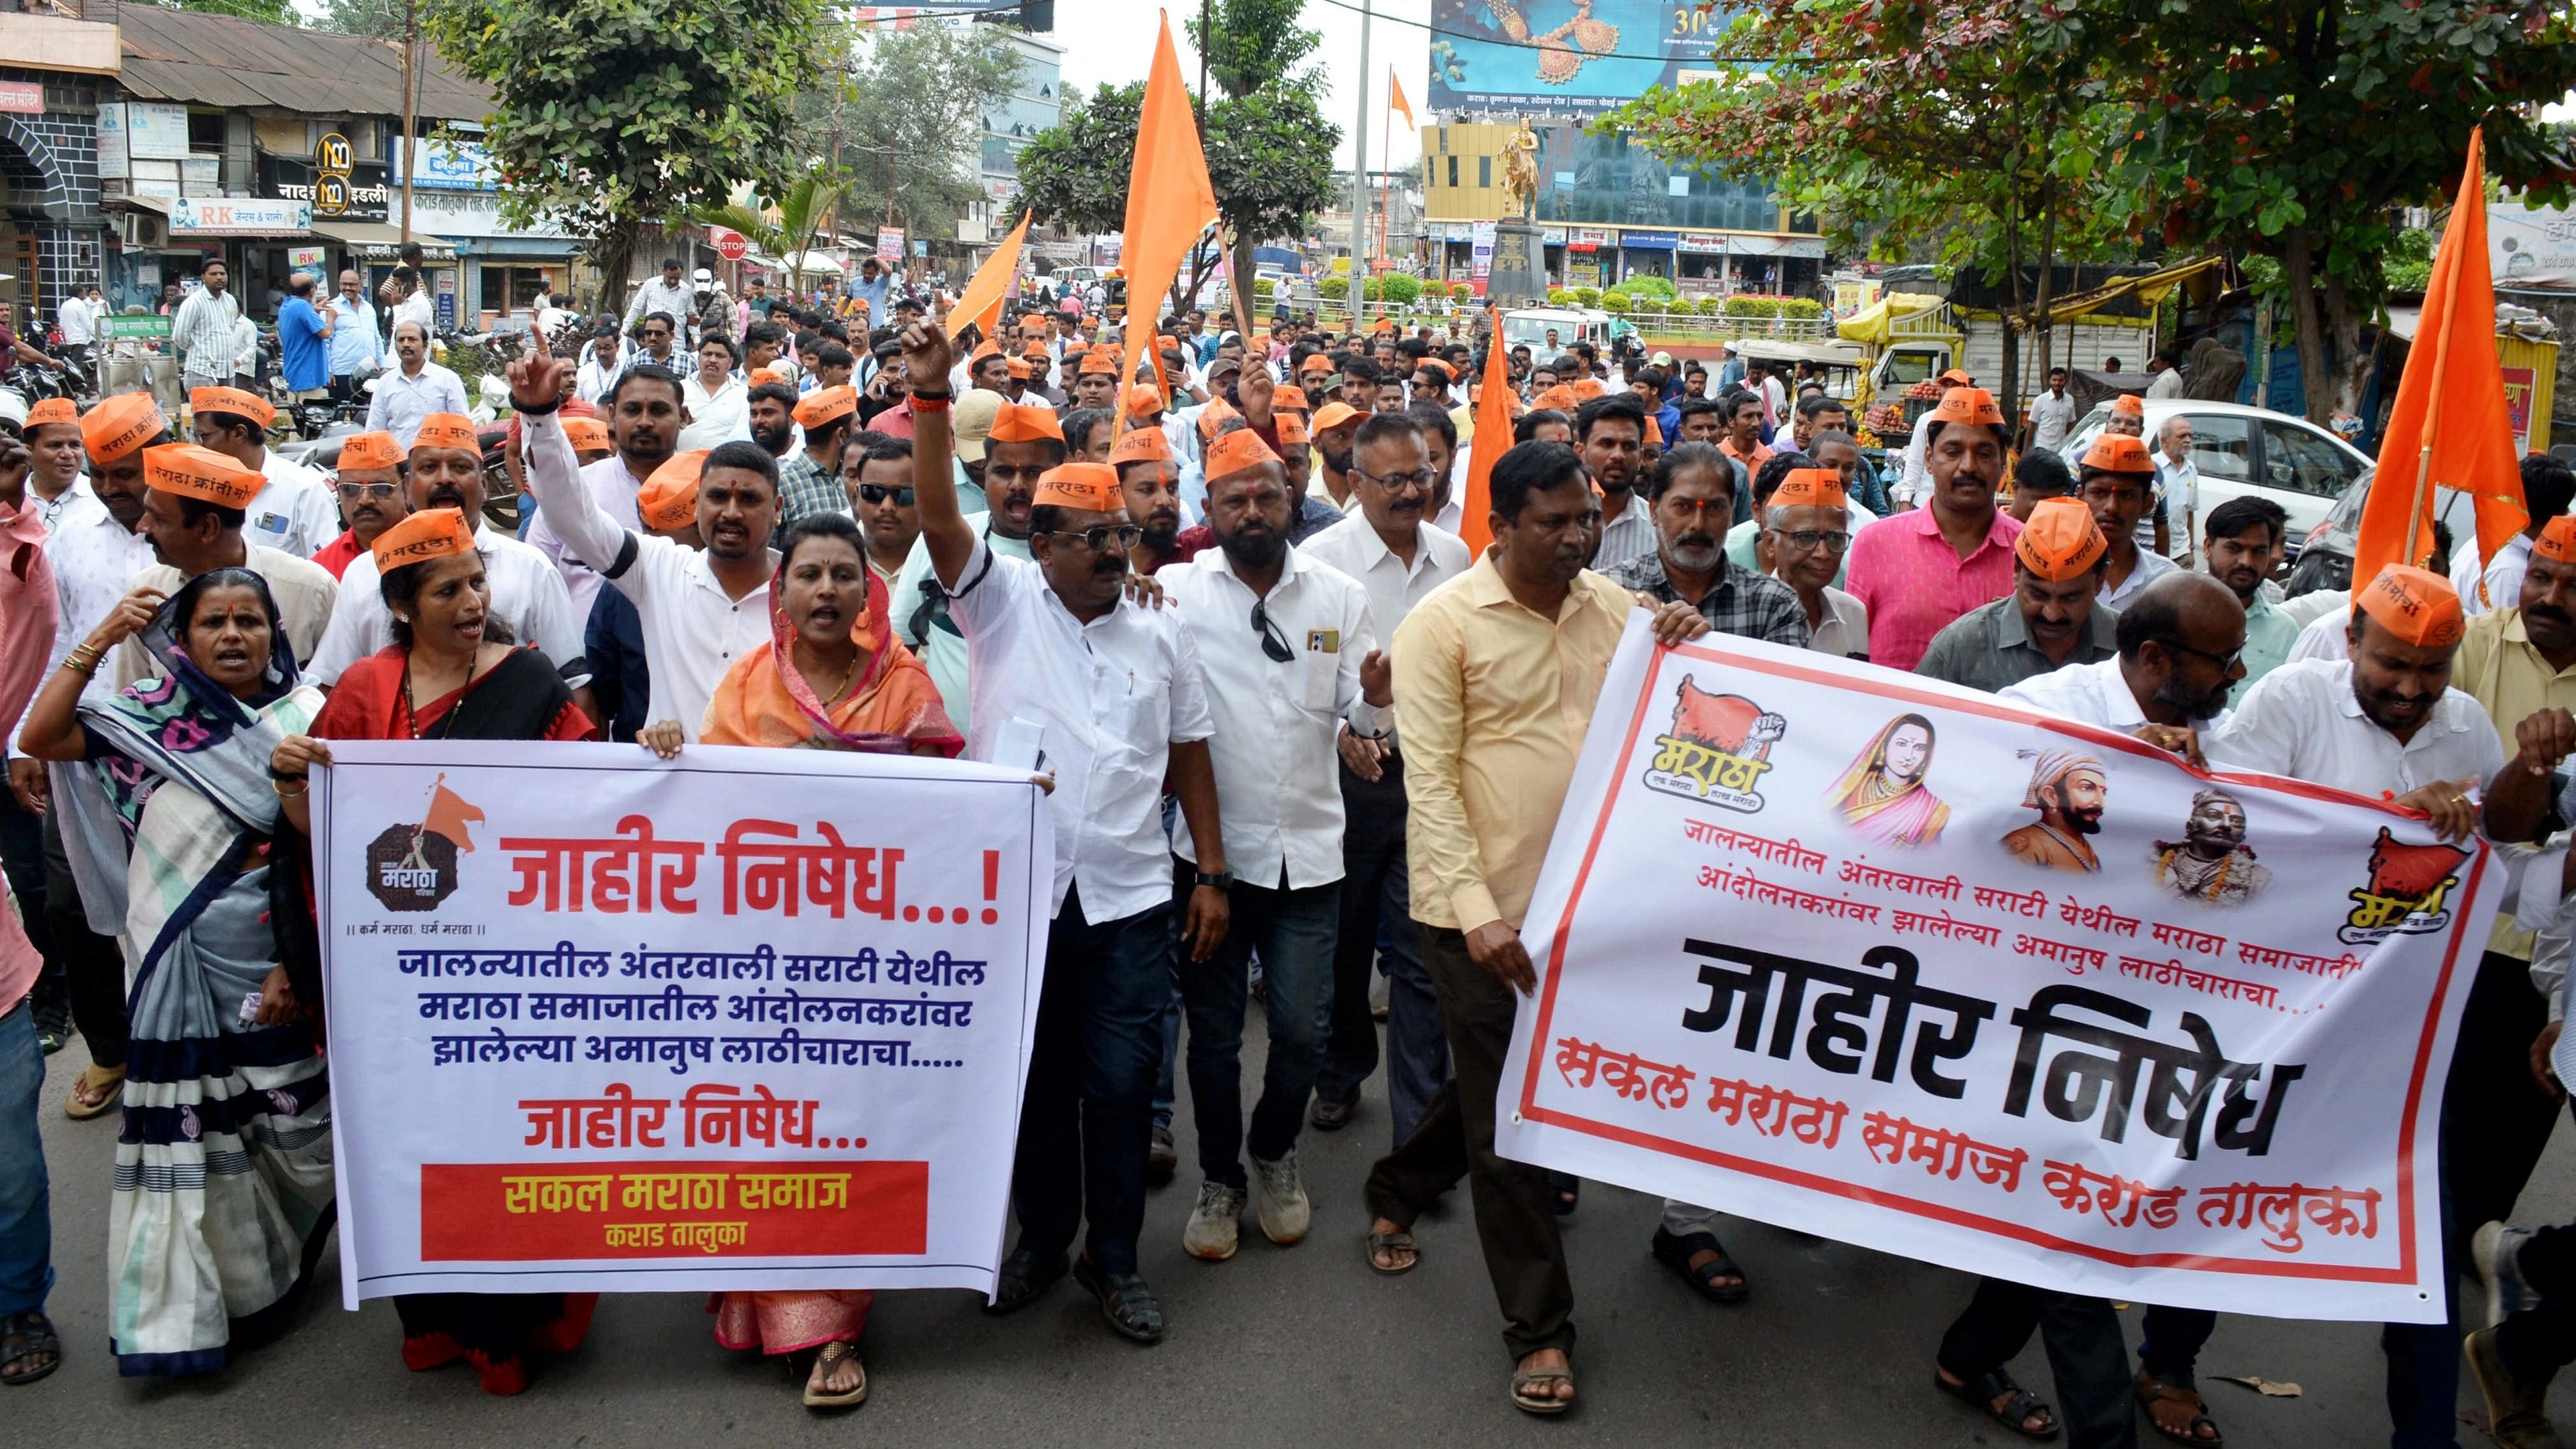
x: 2242, y: 450
x: 2326, y: 562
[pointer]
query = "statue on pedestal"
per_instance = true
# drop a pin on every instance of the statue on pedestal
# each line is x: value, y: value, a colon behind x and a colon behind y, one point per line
x: 1520, y: 170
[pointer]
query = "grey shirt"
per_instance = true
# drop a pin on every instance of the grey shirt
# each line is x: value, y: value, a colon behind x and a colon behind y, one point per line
x: 1989, y: 647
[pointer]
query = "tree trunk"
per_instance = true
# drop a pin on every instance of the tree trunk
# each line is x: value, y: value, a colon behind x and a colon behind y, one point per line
x: 613, y: 252
x: 2298, y: 276
x: 1240, y: 254
x: 2047, y: 275
x: 2352, y: 362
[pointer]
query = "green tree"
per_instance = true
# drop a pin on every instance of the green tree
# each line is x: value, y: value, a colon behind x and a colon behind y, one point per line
x: 2296, y: 129
x: 1973, y: 130
x: 612, y: 115
x: 786, y: 227
x: 901, y: 121
x: 1257, y: 44
x: 273, y: 12
x: 374, y: 19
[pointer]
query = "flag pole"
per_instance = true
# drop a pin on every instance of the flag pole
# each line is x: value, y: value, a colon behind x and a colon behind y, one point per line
x: 1386, y: 154
x: 2449, y: 259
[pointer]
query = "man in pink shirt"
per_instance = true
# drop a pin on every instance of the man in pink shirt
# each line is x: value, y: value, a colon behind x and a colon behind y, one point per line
x: 29, y: 1348
x: 1921, y: 569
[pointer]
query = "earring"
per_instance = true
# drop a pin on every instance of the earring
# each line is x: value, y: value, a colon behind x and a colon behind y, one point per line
x: 404, y: 618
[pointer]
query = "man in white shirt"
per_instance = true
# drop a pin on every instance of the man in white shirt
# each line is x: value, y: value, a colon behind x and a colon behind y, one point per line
x: 2115, y: 481
x: 700, y: 610
x: 2548, y: 485
x: 77, y: 317
x: 415, y: 389
x: 295, y: 512
x: 668, y: 293
x: 1279, y: 691
x: 645, y: 414
x: 445, y: 470
x: 2177, y: 488
x: 354, y: 343
x: 1025, y: 441
x: 1398, y: 558
x: 2181, y: 642
x: 202, y: 330
x: 414, y: 305
x: 195, y: 526
x: 2052, y: 414
x: 1117, y: 693
x: 52, y: 430
x: 1806, y: 531
x: 2168, y: 375
x: 2384, y: 723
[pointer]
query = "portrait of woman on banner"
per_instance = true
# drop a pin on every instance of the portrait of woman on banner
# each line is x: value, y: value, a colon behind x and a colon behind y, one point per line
x: 1883, y: 797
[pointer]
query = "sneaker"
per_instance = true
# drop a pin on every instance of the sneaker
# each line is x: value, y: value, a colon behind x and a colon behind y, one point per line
x: 2497, y: 1250
x: 2517, y: 1413
x: 1162, y: 1158
x: 1215, y: 1225
x: 1285, y: 1213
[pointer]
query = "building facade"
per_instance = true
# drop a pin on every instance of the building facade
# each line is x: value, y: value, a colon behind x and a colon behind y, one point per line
x: 1035, y: 104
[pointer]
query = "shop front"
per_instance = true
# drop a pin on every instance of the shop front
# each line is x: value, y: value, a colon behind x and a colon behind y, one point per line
x: 1647, y: 254
x: 1588, y: 251
x: 252, y: 236
x: 501, y: 269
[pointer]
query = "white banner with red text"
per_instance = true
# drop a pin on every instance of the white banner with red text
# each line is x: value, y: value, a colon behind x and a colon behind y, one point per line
x: 1850, y: 951
x: 747, y: 1019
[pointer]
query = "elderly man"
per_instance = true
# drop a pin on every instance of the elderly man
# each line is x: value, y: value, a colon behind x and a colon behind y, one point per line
x: 414, y: 389
x: 2052, y: 618
x: 354, y: 343
x: 1806, y: 528
x: 2181, y: 646
x: 1925, y: 567
x: 1689, y: 496
x: 2177, y: 487
x: 2386, y: 722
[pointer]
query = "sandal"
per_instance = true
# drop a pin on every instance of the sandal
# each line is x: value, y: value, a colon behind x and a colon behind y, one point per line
x: 1524, y: 1380
x: 94, y: 1091
x: 25, y: 1337
x: 1124, y: 1300
x: 2020, y: 1405
x: 1024, y: 1276
x: 1676, y: 1251
x: 1398, y: 1241
x: 2153, y: 1392
x: 826, y: 1361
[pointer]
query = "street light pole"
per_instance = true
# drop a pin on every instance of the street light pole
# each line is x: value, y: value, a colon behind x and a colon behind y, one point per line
x: 1359, y: 173
x: 411, y: 45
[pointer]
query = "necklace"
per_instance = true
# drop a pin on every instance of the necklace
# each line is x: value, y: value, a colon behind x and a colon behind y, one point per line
x: 411, y: 713
x: 848, y: 677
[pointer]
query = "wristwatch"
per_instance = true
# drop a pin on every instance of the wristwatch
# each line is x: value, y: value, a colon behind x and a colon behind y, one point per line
x: 1222, y: 880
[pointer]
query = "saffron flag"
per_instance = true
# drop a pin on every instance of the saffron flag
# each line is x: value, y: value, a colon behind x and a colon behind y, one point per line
x: 982, y: 303
x: 1395, y: 98
x: 1493, y: 439
x: 2450, y: 427
x: 1170, y: 200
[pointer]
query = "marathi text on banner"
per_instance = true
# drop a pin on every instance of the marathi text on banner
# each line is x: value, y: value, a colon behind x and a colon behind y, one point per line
x: 658, y: 1028
x: 1903, y: 965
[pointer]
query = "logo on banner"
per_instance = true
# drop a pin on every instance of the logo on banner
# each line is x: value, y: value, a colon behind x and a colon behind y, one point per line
x: 2406, y: 894
x: 1717, y: 750
x: 413, y: 867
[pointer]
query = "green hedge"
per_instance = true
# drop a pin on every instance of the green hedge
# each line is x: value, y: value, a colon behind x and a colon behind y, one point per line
x: 1402, y: 288
x: 1435, y: 290
x: 1334, y: 288
x: 1615, y: 300
x: 1587, y: 296
x: 1558, y: 296
x: 1649, y: 287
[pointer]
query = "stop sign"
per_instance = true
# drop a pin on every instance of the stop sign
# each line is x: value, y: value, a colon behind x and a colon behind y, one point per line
x: 731, y: 245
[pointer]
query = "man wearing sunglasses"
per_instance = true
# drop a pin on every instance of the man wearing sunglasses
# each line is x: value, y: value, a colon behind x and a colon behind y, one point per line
x: 1289, y: 656
x: 879, y: 478
x: 1122, y: 702
x: 369, y: 485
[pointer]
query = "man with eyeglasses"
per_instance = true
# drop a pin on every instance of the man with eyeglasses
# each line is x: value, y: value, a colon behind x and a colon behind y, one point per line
x: 2051, y: 619
x: 1387, y: 543
x: 1024, y: 442
x: 879, y: 478
x: 369, y: 485
x: 659, y: 335
x: 1119, y: 692
x: 1806, y: 529
x: 1289, y: 655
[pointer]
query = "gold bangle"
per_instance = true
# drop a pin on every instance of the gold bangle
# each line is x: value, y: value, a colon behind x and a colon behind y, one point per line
x: 77, y: 665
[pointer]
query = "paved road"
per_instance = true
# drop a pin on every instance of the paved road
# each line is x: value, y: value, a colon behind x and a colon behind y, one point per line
x: 1300, y: 1344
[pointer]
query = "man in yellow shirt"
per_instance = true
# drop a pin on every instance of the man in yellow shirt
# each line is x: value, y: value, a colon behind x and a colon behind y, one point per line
x: 1496, y: 672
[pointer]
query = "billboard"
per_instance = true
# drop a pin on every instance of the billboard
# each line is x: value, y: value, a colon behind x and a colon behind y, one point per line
x: 1565, y: 57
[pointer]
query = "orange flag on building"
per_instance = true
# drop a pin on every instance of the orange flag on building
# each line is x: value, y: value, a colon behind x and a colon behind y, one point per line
x: 1395, y: 98
x: 2450, y: 427
x: 991, y: 284
x: 1493, y: 439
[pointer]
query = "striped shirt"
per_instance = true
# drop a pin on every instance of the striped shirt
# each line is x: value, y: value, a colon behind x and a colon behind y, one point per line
x: 203, y: 334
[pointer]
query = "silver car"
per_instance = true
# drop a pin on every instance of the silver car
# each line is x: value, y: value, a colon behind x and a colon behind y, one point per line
x: 2241, y: 450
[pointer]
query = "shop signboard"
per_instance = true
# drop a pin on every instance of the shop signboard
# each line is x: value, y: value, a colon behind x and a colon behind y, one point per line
x: 202, y: 216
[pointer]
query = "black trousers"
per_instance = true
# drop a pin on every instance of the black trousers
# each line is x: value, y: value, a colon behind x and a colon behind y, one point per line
x: 2086, y: 1355
x: 93, y: 965
x: 1515, y: 1212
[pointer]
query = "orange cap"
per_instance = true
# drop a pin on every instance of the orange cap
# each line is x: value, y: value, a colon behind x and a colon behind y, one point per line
x: 1972, y: 405
x: 1291, y: 398
x: 1586, y: 389
x: 52, y: 410
x: 1091, y: 487
x: 1144, y: 400
x: 2557, y: 542
x: 1958, y: 376
x: 670, y: 496
x: 1654, y: 432
x: 587, y: 435
x: 1237, y: 452
x: 822, y: 405
x: 370, y: 451
x: 420, y: 537
x: 2129, y: 405
x: 200, y: 473
x: 1315, y: 362
x: 2417, y: 605
x: 1292, y: 430
x: 1811, y: 488
x: 2118, y: 453
x: 1095, y: 364
x: 1559, y: 398
x: 121, y: 424
x: 232, y: 400
x: 1016, y: 367
x: 1213, y: 416
x: 1140, y: 445
x: 2060, y: 541
x: 446, y: 430
x: 1334, y: 415
x: 1021, y: 423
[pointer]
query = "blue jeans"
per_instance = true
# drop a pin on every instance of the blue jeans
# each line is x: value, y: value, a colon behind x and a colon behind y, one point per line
x: 1294, y: 932
x: 1086, y: 1121
x: 26, y: 1222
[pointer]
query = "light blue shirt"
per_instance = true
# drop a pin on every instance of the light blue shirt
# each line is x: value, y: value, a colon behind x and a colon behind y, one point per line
x: 874, y: 294
x: 402, y: 402
x: 353, y: 335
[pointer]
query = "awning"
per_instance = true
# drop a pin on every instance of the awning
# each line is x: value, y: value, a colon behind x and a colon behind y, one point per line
x: 511, y: 248
x: 376, y: 242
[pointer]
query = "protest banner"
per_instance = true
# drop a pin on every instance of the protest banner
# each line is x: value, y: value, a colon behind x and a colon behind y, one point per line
x: 745, y: 1019
x: 1903, y: 965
